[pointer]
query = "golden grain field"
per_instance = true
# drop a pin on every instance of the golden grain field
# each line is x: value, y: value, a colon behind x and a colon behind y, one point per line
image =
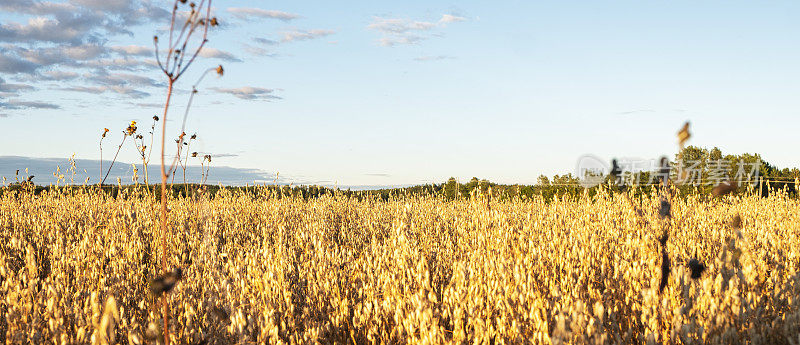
x: 77, y: 269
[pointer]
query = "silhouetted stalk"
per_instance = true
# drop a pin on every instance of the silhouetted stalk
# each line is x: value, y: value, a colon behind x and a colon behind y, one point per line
x: 165, y: 306
x: 173, y: 73
x: 114, y: 160
x: 147, y: 161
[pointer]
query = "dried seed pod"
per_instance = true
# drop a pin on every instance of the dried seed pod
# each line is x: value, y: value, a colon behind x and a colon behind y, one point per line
x: 665, y: 270
x: 664, y: 237
x: 736, y: 222
x: 163, y: 284
x: 724, y: 188
x: 697, y: 268
x: 219, y: 313
x: 664, y: 211
x: 684, y: 134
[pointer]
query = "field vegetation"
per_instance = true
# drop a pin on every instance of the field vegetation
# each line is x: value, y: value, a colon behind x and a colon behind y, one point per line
x: 79, y: 265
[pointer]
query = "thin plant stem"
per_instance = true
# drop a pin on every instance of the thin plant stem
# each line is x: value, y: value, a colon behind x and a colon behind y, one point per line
x: 165, y: 306
x: 173, y: 73
x: 184, y: 165
x: 101, y: 158
x: 186, y: 116
x: 149, y: 152
x: 114, y: 160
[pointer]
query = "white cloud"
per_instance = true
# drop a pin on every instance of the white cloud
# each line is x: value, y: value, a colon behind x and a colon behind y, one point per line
x: 57, y: 36
x: 82, y: 52
x: 249, y: 93
x: 105, y: 5
x: 17, y: 104
x: 218, y: 54
x: 449, y: 18
x: 118, y: 89
x: 126, y: 64
x: 392, y: 41
x: 247, y: 13
x: 14, y: 65
x: 59, y: 75
x: 433, y: 58
x: 13, y: 88
x: 258, y: 51
x: 40, y: 29
x: 266, y: 41
x: 117, y: 79
x: 302, y: 35
x: 399, y: 31
x: 133, y: 50
x: 398, y: 26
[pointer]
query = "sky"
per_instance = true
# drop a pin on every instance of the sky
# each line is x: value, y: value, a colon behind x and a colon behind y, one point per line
x: 381, y: 93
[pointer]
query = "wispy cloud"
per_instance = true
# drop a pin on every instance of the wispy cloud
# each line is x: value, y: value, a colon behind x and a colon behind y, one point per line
x: 449, y: 18
x: 41, y: 29
x: 303, y: 35
x: 118, y: 89
x: 258, y: 51
x: 18, y: 104
x: 249, y: 93
x: 267, y: 45
x: 116, y: 64
x: 146, y: 105
x: 114, y: 79
x: 392, y: 41
x: 13, y: 65
x: 58, y: 75
x: 400, y: 31
x: 397, y: 26
x: 219, y: 155
x: 378, y: 175
x: 133, y: 50
x: 433, y: 58
x: 638, y: 111
x: 13, y: 88
x: 59, y: 56
x: 249, y: 13
x: 266, y: 41
x: 218, y: 54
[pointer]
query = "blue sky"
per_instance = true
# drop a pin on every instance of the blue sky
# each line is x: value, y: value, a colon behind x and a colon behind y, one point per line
x: 390, y: 93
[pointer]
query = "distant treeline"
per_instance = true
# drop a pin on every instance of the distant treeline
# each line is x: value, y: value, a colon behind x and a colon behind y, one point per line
x: 705, y: 164
x: 449, y: 190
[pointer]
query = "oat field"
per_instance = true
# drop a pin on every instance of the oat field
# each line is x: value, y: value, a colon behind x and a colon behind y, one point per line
x: 78, y: 268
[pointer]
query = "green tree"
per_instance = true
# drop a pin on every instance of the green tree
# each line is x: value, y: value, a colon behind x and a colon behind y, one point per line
x: 451, y: 188
x: 543, y: 180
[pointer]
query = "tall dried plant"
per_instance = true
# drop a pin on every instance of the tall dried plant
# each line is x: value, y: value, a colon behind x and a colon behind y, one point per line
x: 129, y: 132
x: 179, y: 58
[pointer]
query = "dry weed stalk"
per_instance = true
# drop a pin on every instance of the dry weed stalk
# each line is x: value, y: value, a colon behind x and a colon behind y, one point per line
x: 129, y: 132
x: 174, y: 66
